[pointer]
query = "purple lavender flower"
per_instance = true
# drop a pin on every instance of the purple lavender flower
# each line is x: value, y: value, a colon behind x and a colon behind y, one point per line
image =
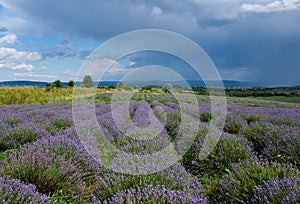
x: 286, y: 190
x: 15, y: 191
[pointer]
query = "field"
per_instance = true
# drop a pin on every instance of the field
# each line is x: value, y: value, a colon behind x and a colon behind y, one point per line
x: 281, y: 98
x: 256, y: 159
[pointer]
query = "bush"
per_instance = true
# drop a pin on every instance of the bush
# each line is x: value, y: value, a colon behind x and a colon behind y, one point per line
x: 152, y: 195
x: 87, y: 81
x: 53, y: 164
x: 57, y: 84
x: 286, y: 190
x: 255, y: 133
x: 232, y: 126
x: 238, y: 186
x: 71, y: 83
x: 229, y: 149
x: 174, y: 178
x: 274, y: 142
x: 252, y: 118
x: 15, y: 191
x: 283, y: 144
x: 15, y: 137
x: 206, y: 117
x: 62, y: 123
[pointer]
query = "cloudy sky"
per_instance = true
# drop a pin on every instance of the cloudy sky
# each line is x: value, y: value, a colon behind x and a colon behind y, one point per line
x: 255, y: 40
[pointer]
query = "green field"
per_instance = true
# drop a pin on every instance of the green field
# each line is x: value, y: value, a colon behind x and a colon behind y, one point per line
x: 294, y: 99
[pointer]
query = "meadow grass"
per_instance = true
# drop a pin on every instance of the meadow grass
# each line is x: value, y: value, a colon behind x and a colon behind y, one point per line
x: 294, y: 99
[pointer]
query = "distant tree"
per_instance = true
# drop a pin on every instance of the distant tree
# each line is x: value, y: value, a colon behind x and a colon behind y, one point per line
x: 87, y: 81
x: 57, y: 84
x: 48, y: 86
x: 71, y: 83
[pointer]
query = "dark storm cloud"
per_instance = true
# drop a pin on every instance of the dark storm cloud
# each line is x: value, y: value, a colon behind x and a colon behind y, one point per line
x: 260, y: 37
x: 147, y: 58
x: 98, y: 19
x: 269, y: 43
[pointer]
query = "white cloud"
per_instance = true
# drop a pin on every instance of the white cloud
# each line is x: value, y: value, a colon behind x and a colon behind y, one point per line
x: 33, y: 75
x: 14, y: 66
x: 11, y: 54
x: 10, y: 58
x: 116, y: 67
x: 9, y: 39
x: 275, y: 6
x: 156, y: 10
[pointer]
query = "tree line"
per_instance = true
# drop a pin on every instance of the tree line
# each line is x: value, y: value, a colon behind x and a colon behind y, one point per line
x: 87, y: 82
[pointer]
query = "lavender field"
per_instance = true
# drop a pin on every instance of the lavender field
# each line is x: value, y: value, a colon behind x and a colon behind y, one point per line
x: 256, y: 160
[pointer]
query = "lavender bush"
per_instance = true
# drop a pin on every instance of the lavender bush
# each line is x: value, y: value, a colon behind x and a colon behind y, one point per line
x: 15, y: 191
x: 39, y: 146
x: 286, y: 191
x: 283, y: 144
x: 174, y: 178
x: 53, y: 164
x: 152, y: 194
x: 17, y: 136
x: 239, y: 184
x: 229, y: 149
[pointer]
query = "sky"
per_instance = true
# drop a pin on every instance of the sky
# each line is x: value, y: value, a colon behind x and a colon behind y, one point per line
x: 253, y: 41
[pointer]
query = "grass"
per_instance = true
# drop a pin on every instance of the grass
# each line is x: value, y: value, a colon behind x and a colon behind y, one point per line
x: 30, y: 94
x: 294, y: 99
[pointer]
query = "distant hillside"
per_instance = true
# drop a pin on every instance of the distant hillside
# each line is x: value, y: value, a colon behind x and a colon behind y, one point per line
x: 227, y: 83
x: 22, y: 83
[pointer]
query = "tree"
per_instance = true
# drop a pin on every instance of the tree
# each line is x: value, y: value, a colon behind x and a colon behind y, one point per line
x: 71, y: 83
x: 87, y: 81
x: 57, y: 84
x: 48, y: 86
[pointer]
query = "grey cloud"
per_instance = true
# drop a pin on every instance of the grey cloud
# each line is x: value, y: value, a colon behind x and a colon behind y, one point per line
x: 63, y: 49
x: 232, y: 37
x: 99, y: 19
x: 3, y: 29
x: 274, y: 6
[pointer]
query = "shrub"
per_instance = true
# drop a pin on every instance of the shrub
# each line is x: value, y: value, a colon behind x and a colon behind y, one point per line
x: 172, y: 123
x: 15, y: 137
x: 206, y: 117
x: 53, y: 164
x: 252, y: 118
x: 174, y: 178
x: 62, y: 123
x: 232, y: 126
x: 255, y: 133
x: 15, y: 191
x: 283, y: 144
x: 238, y: 186
x: 229, y: 149
x: 153, y: 194
x: 57, y: 84
x: 71, y: 83
x: 286, y: 190
x: 274, y: 142
x: 87, y: 81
